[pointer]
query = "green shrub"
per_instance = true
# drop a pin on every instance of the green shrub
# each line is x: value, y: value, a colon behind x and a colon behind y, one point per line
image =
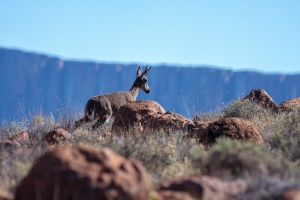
x: 197, y: 156
x: 164, y: 154
x: 160, y: 152
x: 285, y: 136
x: 14, y: 166
x: 246, y: 109
x: 233, y: 159
x: 39, y: 125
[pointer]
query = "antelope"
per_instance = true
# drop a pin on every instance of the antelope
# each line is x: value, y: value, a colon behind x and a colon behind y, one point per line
x: 103, y: 107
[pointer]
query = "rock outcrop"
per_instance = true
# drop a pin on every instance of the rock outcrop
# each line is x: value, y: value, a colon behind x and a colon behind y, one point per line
x: 133, y: 116
x: 289, y: 105
x: 147, y: 116
x: 168, y: 121
x: 84, y: 173
x: 261, y: 97
x: 234, y: 128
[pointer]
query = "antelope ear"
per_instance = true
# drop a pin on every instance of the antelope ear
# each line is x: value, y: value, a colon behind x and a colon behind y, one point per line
x: 139, y: 71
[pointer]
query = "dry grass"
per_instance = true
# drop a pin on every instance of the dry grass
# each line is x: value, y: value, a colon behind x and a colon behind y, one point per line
x: 172, y: 154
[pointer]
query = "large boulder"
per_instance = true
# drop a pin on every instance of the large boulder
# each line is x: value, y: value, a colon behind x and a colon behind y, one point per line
x: 290, y: 105
x: 84, y: 173
x: 147, y: 116
x: 200, y: 187
x: 133, y: 116
x: 168, y: 121
x: 234, y: 128
x: 261, y: 97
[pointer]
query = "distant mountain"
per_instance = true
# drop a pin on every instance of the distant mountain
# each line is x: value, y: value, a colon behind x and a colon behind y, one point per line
x: 31, y: 82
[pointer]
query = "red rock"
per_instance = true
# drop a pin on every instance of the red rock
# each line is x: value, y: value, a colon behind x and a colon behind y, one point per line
x: 234, y: 128
x: 290, y: 105
x: 133, y: 116
x: 168, y: 121
x: 147, y: 116
x: 83, y: 173
x: 262, y: 97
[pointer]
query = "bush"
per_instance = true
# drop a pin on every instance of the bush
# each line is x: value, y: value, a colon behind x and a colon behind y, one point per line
x: 246, y: 109
x: 232, y: 159
x: 13, y: 168
x: 285, y: 136
x: 163, y: 154
x: 40, y: 125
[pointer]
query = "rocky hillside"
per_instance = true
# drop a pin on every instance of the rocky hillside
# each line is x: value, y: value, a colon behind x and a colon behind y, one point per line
x: 31, y: 81
x: 250, y: 150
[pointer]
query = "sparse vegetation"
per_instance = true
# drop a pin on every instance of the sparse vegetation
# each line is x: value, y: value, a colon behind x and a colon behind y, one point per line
x: 285, y: 136
x: 246, y: 109
x: 172, y: 154
x: 232, y: 159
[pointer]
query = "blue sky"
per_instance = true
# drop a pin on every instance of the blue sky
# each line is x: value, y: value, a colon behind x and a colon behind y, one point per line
x: 261, y: 35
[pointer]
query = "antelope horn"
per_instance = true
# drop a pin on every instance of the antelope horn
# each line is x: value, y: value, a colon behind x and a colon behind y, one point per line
x: 146, y: 70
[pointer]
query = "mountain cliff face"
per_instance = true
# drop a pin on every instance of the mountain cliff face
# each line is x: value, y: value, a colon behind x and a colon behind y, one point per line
x: 32, y: 81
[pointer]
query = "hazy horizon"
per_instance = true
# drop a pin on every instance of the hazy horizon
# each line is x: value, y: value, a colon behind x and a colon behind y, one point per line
x: 260, y: 36
x: 151, y: 64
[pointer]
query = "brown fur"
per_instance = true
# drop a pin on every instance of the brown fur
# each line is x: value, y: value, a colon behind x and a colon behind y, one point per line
x: 103, y: 107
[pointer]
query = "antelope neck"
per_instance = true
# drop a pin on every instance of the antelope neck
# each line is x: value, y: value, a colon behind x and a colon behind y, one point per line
x: 134, y: 91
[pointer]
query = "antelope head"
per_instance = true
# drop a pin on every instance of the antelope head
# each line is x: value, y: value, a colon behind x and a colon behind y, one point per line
x: 141, y: 79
